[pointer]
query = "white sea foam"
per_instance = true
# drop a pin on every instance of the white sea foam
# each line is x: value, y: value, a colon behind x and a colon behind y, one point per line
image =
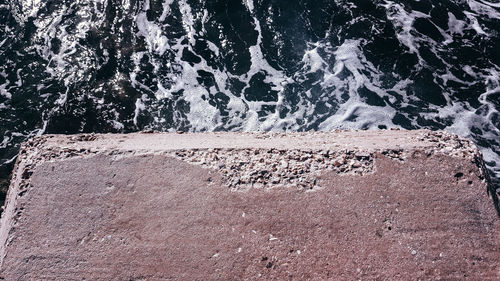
x: 187, y: 20
x: 455, y: 26
x: 250, y: 6
x: 312, y: 60
x: 139, y: 105
x: 3, y: 87
x: 484, y: 8
x: 153, y: 34
x: 403, y: 21
x: 474, y: 23
x: 166, y: 9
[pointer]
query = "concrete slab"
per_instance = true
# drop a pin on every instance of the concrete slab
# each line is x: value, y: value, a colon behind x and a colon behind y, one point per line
x: 229, y: 206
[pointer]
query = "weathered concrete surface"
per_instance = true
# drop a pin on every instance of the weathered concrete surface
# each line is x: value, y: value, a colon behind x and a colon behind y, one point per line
x: 401, y: 205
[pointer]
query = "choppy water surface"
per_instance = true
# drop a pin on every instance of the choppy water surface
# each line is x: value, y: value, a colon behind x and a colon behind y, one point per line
x: 245, y: 65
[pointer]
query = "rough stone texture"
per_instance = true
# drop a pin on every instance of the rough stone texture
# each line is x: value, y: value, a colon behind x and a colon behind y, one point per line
x: 148, y: 207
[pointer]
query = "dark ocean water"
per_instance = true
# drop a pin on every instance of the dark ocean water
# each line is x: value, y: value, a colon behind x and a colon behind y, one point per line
x: 249, y: 65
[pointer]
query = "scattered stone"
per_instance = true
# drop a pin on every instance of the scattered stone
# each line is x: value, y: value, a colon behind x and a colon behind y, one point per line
x: 250, y: 167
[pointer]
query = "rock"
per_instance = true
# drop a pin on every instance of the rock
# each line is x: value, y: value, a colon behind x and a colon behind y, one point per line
x: 362, y: 154
x: 145, y: 201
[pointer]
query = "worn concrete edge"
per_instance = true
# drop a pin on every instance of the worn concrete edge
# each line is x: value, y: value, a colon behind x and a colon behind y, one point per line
x: 59, y: 147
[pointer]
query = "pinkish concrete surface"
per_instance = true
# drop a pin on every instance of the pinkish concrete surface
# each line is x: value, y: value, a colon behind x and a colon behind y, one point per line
x: 123, y: 207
